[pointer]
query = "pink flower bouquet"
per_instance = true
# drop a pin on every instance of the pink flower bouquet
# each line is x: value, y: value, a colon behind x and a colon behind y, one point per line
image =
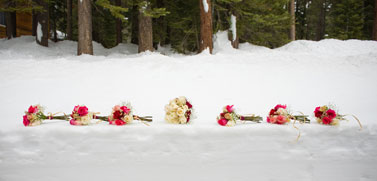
x: 228, y: 117
x: 34, y: 116
x: 122, y: 115
x: 280, y: 115
x: 81, y: 116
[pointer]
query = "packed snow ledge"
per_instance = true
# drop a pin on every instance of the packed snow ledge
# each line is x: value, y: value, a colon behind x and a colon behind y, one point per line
x: 301, y: 74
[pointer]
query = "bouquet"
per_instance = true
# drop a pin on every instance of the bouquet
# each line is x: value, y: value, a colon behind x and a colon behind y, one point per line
x: 122, y: 115
x: 280, y: 115
x: 179, y: 111
x: 34, y: 116
x: 81, y: 116
x: 326, y: 115
x: 229, y: 117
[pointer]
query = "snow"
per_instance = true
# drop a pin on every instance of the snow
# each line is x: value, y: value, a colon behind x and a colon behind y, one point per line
x: 301, y: 74
x: 39, y: 32
x: 205, y: 6
x: 233, y: 27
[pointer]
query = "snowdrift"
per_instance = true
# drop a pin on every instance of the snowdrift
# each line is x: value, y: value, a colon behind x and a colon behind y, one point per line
x: 301, y: 74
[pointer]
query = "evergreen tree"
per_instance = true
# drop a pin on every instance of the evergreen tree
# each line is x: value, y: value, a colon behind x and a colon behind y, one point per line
x: 347, y: 19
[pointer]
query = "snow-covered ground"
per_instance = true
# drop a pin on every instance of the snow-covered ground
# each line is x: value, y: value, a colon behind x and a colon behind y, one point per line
x: 301, y: 74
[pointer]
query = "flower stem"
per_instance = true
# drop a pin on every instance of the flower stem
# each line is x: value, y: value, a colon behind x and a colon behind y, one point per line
x: 102, y: 118
x: 145, y: 118
x: 256, y: 119
x: 301, y: 118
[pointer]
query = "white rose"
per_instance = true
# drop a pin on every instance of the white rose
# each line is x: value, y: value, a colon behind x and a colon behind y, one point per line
x: 230, y: 123
x: 181, y: 101
x: 282, y: 111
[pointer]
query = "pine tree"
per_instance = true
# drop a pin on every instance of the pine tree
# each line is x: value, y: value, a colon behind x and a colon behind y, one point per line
x: 374, y: 36
x: 69, y: 20
x: 293, y: 20
x: 347, y: 19
x: 42, y: 34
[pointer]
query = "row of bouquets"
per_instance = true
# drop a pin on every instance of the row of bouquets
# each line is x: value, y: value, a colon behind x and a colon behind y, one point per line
x: 180, y: 111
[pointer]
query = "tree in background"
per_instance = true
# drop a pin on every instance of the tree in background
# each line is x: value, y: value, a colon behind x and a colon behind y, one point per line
x: 346, y: 19
x: 293, y: 20
x: 205, y: 26
x: 374, y: 36
x: 84, y: 45
x: 69, y: 20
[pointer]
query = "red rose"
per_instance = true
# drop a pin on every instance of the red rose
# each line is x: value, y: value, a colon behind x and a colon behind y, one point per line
x: 268, y: 119
x: 116, y: 115
x: 188, y: 104
x: 119, y: 122
x: 222, y: 115
x: 331, y: 113
x: 125, y: 109
x: 317, y: 112
x: 326, y: 120
x: 272, y: 112
x: 33, y: 109
x: 26, y: 121
x: 83, y: 111
x: 222, y: 122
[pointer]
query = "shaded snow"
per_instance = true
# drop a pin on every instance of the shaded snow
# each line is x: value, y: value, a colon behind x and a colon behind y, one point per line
x: 301, y: 74
x: 39, y: 32
x: 205, y: 6
x: 233, y: 26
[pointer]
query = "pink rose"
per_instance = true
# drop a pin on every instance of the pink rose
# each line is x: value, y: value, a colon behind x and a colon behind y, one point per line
x: 280, y: 106
x: 119, y: 122
x: 73, y: 122
x: 26, y: 121
x: 222, y: 122
x: 33, y: 109
x: 281, y: 119
x: 230, y: 108
x: 116, y: 115
x: 268, y: 119
x: 116, y: 108
x: 317, y: 112
x: 83, y: 111
x: 331, y: 113
x: 326, y: 120
x: 125, y: 109
x: 76, y: 108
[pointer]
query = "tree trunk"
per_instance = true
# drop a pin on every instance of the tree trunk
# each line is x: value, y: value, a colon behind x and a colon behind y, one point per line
x: 35, y: 23
x: 69, y: 20
x: 145, y: 32
x: 135, y: 25
x: 375, y: 22
x: 321, y: 22
x: 11, y: 25
x: 293, y: 21
x: 54, y: 30
x: 118, y: 25
x: 42, y: 34
x: 85, y: 45
x: 205, y: 25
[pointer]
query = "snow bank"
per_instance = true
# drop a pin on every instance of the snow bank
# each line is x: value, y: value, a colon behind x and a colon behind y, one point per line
x: 302, y: 74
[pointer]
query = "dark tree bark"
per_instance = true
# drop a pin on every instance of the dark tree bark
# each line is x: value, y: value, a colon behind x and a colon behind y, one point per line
x: 35, y: 24
x: 375, y: 22
x: 11, y: 24
x: 205, y: 26
x: 85, y: 45
x: 69, y: 20
x: 321, y: 22
x: 118, y: 25
x: 135, y: 25
x: 162, y: 31
x: 293, y: 21
x: 145, y: 32
x: 42, y: 34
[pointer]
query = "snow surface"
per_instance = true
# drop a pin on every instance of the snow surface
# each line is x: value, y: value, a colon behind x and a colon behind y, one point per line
x: 39, y: 32
x: 205, y: 6
x: 301, y: 74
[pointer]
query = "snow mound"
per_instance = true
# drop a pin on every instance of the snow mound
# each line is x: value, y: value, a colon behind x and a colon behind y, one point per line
x: 331, y: 47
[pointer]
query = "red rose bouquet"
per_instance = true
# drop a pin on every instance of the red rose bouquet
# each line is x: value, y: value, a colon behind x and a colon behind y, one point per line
x: 179, y: 111
x: 280, y: 115
x: 34, y: 116
x: 81, y: 116
x: 325, y: 115
x: 229, y: 117
x: 122, y: 115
